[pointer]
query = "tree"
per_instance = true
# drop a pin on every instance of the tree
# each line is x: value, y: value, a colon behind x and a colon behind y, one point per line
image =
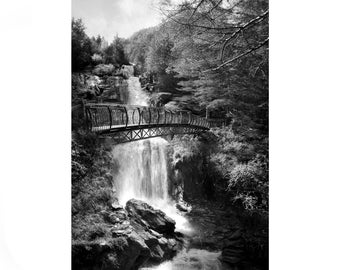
x: 115, y: 54
x: 220, y: 50
x: 81, y: 46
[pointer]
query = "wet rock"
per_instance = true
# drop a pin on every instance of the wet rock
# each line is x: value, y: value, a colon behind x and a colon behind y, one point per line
x: 181, y: 206
x: 154, y: 219
x: 116, y: 206
x: 160, y: 98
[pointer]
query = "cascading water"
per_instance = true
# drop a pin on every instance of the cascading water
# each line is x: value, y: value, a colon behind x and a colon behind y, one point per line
x: 136, y: 96
x: 142, y: 171
x: 142, y: 164
x: 142, y: 174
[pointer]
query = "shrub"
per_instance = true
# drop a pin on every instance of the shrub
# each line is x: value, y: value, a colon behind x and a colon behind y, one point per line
x: 249, y: 182
x: 97, y: 59
x: 103, y: 69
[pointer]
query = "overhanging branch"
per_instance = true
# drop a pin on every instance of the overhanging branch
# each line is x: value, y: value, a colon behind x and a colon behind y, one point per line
x: 240, y: 56
x: 246, y: 25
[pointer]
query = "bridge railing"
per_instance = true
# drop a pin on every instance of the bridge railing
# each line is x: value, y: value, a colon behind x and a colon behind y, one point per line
x: 104, y: 117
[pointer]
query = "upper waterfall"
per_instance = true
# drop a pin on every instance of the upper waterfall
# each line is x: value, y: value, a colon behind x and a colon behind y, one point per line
x: 136, y: 96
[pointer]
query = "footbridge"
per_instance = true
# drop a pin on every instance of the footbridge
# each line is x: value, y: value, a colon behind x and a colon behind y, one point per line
x: 124, y: 123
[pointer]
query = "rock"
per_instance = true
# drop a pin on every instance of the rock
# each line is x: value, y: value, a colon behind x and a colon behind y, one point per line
x: 181, y: 206
x: 158, y: 235
x: 114, y: 217
x: 127, y: 70
x: 159, y: 99
x: 103, y: 69
x: 139, y: 235
x: 162, y: 241
x: 116, y: 206
x: 145, y: 214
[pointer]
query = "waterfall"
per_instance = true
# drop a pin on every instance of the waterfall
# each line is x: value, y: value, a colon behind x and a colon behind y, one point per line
x: 143, y: 175
x: 136, y: 96
x: 142, y: 172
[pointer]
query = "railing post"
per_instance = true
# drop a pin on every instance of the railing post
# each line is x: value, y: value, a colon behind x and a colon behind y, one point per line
x: 171, y: 116
x: 140, y: 116
x: 89, y: 118
x: 126, y: 116
x: 149, y: 115
x: 157, y: 116
x: 164, y: 116
x: 109, y: 109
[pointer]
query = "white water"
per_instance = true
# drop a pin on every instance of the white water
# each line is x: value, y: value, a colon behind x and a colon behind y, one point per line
x: 143, y: 175
x: 142, y: 170
x: 136, y: 95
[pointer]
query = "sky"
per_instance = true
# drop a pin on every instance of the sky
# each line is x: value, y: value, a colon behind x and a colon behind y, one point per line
x: 110, y: 17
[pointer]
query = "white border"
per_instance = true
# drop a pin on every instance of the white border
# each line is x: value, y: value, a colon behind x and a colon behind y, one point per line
x: 35, y: 217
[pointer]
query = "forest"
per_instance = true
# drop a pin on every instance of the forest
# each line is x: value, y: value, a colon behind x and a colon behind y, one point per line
x: 209, y: 57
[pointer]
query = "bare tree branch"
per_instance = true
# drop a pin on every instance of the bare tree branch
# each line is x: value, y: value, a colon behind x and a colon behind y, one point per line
x: 198, y: 5
x: 246, y: 25
x: 215, y: 6
x: 239, y: 56
x: 171, y: 17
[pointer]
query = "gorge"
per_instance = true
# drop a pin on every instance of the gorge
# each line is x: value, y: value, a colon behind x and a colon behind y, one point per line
x: 139, y: 217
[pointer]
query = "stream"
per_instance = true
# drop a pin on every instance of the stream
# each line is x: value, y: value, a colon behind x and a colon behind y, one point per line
x: 143, y: 175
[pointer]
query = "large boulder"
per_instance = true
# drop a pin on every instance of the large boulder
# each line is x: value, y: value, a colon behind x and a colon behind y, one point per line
x: 154, y: 219
x: 138, y: 235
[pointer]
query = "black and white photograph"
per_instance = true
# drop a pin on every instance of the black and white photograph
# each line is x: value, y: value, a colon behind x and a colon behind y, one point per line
x: 170, y: 134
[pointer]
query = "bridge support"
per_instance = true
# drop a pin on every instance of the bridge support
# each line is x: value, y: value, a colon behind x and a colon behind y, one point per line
x: 145, y: 133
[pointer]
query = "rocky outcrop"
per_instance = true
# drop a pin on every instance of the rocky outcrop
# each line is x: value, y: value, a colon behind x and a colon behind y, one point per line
x: 139, y: 235
x: 146, y: 215
x: 159, y: 99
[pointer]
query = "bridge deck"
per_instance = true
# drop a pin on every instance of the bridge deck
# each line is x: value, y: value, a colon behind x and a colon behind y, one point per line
x: 138, y: 122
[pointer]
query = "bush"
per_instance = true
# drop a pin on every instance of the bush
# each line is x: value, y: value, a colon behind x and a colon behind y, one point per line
x: 102, y: 69
x: 249, y: 182
x: 97, y: 59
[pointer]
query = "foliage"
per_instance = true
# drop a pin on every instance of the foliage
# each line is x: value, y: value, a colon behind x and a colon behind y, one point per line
x: 97, y: 58
x: 250, y: 183
x: 114, y: 53
x: 184, y: 148
x: 138, y: 46
x: 81, y: 46
x: 103, y: 69
x: 88, y: 51
x: 92, y: 186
